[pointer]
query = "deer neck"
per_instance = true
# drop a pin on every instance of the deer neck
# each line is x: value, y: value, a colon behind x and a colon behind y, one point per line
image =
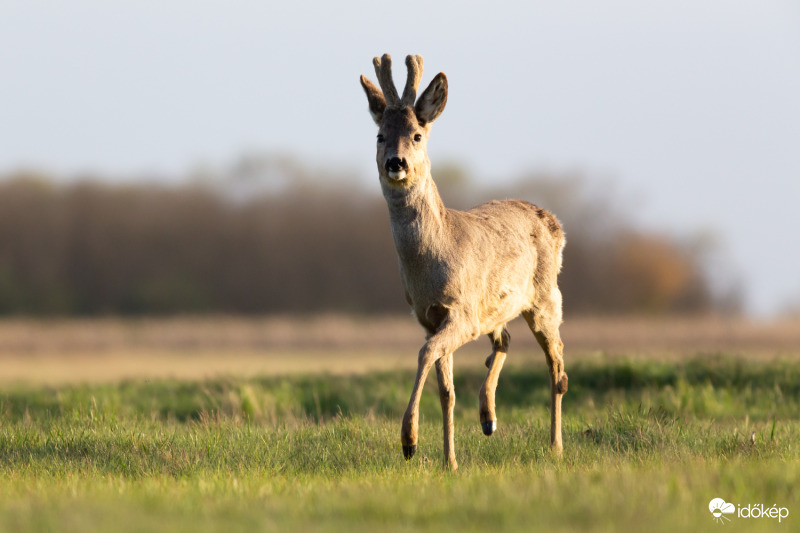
x: 417, y: 216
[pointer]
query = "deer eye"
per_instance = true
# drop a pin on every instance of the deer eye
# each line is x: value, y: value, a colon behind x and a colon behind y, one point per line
x: 417, y: 138
x: 380, y: 138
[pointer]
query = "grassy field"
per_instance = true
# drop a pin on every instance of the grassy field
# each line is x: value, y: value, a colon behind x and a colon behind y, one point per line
x: 648, y: 442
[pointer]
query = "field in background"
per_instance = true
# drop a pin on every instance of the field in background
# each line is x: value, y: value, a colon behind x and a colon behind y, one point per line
x: 286, y: 424
x: 96, y: 350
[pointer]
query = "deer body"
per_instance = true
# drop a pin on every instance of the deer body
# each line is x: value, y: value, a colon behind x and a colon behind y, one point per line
x: 465, y: 273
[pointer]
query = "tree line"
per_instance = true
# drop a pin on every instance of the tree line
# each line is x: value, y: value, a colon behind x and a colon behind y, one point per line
x: 90, y: 247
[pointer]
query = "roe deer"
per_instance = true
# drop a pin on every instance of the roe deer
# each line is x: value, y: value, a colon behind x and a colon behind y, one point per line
x: 465, y: 273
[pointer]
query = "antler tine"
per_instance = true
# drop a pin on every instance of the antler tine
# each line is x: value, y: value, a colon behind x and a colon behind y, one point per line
x: 383, y: 69
x: 414, y: 64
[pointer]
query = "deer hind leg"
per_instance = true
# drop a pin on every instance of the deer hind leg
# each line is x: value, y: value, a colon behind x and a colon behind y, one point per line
x: 494, y: 363
x: 447, y: 397
x: 545, y: 328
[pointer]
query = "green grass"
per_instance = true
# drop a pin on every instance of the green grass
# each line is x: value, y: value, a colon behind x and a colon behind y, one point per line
x: 646, y: 446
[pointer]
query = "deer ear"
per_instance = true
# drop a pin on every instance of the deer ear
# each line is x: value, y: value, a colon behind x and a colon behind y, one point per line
x: 431, y: 104
x: 377, y: 103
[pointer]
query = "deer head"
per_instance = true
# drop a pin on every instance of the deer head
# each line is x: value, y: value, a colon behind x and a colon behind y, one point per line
x: 404, y: 126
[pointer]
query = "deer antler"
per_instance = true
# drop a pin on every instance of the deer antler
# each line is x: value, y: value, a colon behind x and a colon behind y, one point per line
x: 414, y: 64
x: 383, y: 69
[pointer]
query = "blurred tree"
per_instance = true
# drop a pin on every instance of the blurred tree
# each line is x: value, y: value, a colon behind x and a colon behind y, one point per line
x: 229, y: 243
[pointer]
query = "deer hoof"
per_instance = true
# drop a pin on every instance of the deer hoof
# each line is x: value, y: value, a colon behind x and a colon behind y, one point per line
x: 489, y: 427
x: 409, y: 451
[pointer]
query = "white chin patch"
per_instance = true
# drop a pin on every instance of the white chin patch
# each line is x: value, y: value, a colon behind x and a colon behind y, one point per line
x: 398, y: 175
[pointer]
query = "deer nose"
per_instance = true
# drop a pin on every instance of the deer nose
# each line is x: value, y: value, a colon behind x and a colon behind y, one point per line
x: 395, y: 164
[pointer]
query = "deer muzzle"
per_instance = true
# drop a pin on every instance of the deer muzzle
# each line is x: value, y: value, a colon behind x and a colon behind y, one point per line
x: 396, y: 168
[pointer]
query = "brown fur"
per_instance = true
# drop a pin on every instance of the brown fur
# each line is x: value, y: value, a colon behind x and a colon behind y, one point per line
x: 465, y: 273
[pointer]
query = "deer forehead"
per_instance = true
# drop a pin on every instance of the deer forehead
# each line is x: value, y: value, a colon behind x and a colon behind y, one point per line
x: 400, y: 121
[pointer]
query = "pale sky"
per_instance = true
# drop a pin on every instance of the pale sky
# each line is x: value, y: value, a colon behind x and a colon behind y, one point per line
x: 692, y: 107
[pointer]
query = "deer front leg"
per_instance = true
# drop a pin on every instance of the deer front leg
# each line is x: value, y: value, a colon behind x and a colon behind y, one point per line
x: 486, y: 396
x: 447, y: 397
x: 442, y: 343
x: 410, y: 428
